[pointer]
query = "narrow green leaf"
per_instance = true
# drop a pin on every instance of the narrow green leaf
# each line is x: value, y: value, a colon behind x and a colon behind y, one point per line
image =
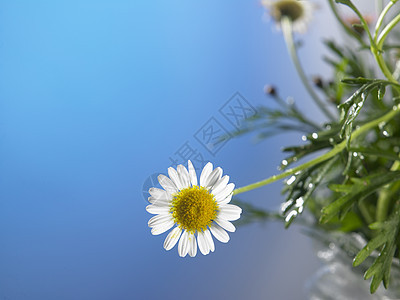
x: 341, y: 188
x: 357, y: 81
x: 368, y: 249
x: 362, y: 187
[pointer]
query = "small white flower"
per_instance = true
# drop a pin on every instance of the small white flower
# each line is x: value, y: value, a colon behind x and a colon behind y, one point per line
x: 299, y: 12
x: 197, y: 210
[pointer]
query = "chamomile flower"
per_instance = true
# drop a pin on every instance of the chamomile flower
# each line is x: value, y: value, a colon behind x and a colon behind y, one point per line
x: 298, y: 12
x: 196, y: 210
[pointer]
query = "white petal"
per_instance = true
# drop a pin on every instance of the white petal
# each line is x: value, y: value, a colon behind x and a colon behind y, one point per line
x: 231, y: 207
x: 205, y: 173
x: 159, y: 219
x: 192, y: 245
x: 172, y: 238
x: 226, y: 200
x: 156, y: 209
x: 159, y: 193
x: 167, y: 184
x: 173, y: 174
x: 156, y: 230
x: 184, y: 176
x: 220, y: 185
x: 229, y: 212
x: 229, y: 216
x: 225, y: 224
x: 219, y: 233
x: 225, y: 192
x: 183, y: 246
x: 213, y: 177
x: 209, y: 240
x: 203, y: 245
x: 192, y: 173
x: 159, y: 201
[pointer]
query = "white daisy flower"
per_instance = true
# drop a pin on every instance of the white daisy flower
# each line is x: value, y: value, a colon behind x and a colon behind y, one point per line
x: 197, y: 210
x: 298, y: 12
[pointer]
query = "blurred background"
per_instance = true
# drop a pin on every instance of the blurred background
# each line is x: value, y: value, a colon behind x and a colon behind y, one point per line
x: 95, y: 98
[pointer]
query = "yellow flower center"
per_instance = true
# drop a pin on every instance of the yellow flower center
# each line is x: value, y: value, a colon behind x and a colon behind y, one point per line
x: 287, y: 8
x: 194, y: 208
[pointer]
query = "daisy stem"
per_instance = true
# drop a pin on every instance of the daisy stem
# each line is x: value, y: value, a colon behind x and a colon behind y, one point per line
x: 380, y: 19
x: 386, y: 196
x: 336, y: 149
x: 362, y: 20
x: 346, y: 28
x: 379, y: 39
x: 288, y: 35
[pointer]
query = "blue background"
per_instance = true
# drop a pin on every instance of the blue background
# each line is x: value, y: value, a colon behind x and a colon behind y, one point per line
x: 95, y: 96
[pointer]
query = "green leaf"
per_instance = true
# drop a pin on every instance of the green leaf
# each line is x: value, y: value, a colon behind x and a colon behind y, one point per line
x: 376, y: 152
x: 341, y: 188
x: 381, y: 92
x: 306, y: 189
x: 357, y: 81
x: 361, y: 188
x: 388, y: 237
x: 352, y: 106
x: 367, y: 250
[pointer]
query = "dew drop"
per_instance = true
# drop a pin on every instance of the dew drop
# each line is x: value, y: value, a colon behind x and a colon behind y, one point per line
x: 284, y: 162
x: 291, y: 215
x: 304, y: 138
x: 300, y: 204
x: 314, y: 135
x: 285, y: 205
x: 291, y: 180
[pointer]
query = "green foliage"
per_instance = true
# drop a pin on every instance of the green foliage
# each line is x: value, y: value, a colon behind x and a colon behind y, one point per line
x: 355, y: 186
x: 387, y: 240
x: 357, y: 190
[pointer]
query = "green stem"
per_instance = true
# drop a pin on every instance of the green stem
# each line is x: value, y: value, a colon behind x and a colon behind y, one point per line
x: 382, y: 65
x: 380, y: 19
x: 346, y: 28
x: 386, y: 195
x: 377, y: 51
x: 288, y: 35
x: 386, y: 31
x: 368, y: 217
x: 362, y: 20
x: 337, y: 149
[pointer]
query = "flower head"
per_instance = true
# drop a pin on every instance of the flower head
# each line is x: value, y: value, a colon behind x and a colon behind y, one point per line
x: 196, y: 210
x: 298, y: 12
